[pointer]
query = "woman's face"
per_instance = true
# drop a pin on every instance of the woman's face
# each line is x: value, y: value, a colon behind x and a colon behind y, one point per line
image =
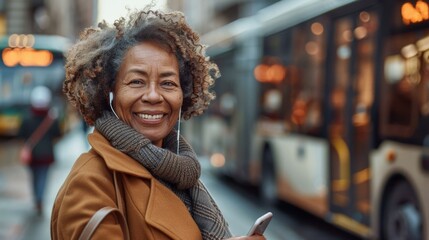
x: 147, y: 92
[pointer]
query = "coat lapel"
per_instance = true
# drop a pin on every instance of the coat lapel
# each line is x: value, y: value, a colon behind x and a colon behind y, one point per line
x: 169, y: 214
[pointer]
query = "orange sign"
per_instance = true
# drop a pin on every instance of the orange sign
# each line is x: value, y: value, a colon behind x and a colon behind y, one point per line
x: 26, y: 57
x: 414, y: 13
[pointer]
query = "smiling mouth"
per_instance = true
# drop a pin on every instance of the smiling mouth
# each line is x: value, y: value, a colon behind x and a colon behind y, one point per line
x: 150, y: 117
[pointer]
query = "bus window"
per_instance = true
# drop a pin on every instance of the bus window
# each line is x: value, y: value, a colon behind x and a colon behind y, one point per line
x: 422, y: 133
x: 339, y: 103
x: 423, y: 45
x: 271, y: 73
x: 308, y: 55
x: 362, y: 101
x: 404, y: 95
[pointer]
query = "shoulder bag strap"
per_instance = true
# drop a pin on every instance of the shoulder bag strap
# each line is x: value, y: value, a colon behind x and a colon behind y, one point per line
x: 99, y: 216
x: 119, y: 194
x: 40, y: 131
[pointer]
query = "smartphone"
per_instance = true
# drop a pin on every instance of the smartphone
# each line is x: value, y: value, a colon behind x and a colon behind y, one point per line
x: 260, y: 224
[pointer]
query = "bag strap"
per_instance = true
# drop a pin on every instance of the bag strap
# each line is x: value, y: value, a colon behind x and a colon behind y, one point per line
x: 99, y: 216
x: 119, y: 195
x: 40, y: 131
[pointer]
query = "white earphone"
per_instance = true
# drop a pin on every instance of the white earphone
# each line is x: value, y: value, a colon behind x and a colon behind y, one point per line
x: 110, y: 102
x: 178, y: 130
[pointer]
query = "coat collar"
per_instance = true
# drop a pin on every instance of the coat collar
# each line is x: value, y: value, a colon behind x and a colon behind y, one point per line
x: 115, y: 159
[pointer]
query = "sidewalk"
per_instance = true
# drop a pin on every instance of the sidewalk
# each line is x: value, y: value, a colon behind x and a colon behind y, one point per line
x: 18, y: 220
x: 15, y: 201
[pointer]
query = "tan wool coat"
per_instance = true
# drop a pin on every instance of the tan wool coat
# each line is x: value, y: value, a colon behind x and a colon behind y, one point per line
x: 153, y: 211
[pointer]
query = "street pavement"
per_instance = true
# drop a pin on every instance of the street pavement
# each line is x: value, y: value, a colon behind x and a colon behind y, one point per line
x: 18, y: 219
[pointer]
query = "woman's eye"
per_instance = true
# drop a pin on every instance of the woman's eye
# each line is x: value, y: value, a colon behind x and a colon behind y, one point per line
x: 169, y: 84
x: 136, y: 82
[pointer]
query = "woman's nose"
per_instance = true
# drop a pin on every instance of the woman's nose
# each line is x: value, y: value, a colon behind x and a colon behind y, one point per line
x: 152, y: 94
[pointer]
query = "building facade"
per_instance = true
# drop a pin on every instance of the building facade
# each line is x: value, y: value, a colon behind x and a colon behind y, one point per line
x: 59, y: 17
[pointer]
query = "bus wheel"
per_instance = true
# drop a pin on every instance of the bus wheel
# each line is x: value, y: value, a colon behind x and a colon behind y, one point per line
x: 268, y: 185
x: 402, y: 218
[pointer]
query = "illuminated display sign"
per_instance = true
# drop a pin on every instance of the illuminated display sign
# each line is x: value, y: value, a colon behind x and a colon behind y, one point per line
x: 26, y: 57
x: 415, y: 13
x: 20, y: 51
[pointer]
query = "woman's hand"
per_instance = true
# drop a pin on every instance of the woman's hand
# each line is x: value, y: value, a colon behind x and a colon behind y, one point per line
x: 253, y: 237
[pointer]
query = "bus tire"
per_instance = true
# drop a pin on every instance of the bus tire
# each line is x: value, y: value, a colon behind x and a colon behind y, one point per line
x: 401, y: 217
x: 268, y: 185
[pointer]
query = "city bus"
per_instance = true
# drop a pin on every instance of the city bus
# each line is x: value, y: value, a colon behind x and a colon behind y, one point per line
x: 325, y: 105
x: 27, y: 61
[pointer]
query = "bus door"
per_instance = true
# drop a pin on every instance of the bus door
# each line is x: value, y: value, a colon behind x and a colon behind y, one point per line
x: 350, y: 102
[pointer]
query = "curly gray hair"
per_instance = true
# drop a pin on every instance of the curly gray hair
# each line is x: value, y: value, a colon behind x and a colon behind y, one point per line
x: 93, y: 62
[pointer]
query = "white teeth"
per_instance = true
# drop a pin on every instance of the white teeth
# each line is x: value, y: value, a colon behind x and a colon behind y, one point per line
x: 148, y: 116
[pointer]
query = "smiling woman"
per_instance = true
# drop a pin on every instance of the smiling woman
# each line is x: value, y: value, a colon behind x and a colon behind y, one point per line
x: 148, y: 93
x: 155, y: 71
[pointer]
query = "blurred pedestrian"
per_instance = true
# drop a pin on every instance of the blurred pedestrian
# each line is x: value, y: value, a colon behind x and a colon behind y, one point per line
x: 40, y: 128
x: 135, y: 81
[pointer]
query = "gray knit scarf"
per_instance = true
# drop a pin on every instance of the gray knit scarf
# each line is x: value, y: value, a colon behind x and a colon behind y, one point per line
x: 179, y: 172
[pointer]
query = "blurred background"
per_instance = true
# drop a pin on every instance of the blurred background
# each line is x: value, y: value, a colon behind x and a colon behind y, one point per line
x: 321, y: 115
